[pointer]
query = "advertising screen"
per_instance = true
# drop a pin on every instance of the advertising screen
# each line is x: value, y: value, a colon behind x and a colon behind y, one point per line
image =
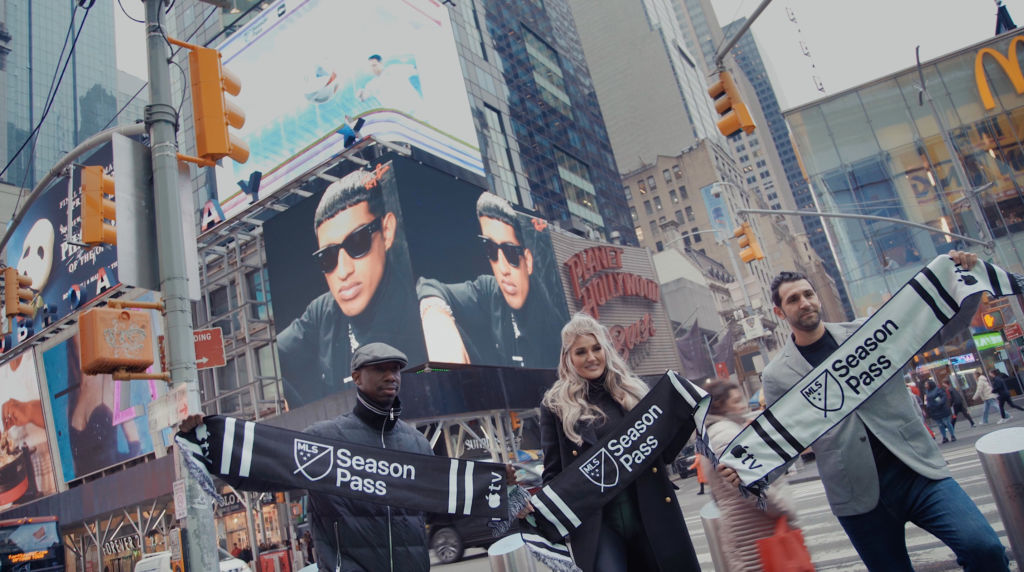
x: 64, y: 276
x: 26, y: 470
x: 31, y: 544
x: 313, y: 71
x: 388, y: 254
x: 98, y: 422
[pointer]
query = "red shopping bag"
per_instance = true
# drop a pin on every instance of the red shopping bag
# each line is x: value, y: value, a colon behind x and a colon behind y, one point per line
x: 785, y: 550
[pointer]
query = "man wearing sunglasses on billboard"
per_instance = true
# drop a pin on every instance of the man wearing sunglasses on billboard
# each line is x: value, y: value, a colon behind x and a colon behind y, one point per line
x: 499, y: 319
x: 369, y: 297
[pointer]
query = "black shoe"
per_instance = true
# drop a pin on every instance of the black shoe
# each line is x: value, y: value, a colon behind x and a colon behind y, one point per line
x: 944, y: 440
x: 954, y: 439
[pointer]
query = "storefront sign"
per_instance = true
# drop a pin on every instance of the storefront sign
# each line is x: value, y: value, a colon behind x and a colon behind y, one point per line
x: 1013, y: 331
x: 1010, y: 65
x: 988, y: 340
x: 123, y: 544
x: 595, y: 291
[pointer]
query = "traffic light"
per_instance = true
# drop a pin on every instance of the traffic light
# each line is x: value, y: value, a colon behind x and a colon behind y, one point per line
x: 97, y: 209
x: 213, y: 111
x: 730, y: 106
x: 17, y: 296
x: 993, y: 320
x: 750, y: 250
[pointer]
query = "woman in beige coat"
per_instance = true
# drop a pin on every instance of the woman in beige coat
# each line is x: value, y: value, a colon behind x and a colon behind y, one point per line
x: 984, y: 393
x: 742, y: 522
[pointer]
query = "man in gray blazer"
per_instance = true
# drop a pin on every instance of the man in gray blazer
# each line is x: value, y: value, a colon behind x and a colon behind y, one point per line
x: 879, y: 466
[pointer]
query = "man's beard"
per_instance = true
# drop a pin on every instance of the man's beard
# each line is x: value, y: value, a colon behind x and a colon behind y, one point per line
x: 807, y: 322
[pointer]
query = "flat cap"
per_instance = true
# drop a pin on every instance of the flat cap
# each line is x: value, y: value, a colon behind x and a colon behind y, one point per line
x: 376, y: 352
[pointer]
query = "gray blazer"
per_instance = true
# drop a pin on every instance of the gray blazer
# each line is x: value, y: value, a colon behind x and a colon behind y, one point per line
x: 843, y: 454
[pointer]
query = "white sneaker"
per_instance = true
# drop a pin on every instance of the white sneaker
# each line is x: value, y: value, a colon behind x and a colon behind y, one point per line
x: 1001, y: 421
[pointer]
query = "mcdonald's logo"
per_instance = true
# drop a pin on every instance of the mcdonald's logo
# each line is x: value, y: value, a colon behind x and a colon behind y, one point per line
x: 1012, y: 69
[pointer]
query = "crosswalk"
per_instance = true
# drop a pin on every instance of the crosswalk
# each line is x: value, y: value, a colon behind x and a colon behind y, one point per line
x: 831, y: 550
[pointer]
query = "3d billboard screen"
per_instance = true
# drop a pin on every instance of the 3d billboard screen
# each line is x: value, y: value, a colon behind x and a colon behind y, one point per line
x: 98, y: 422
x: 64, y: 276
x: 312, y: 70
x: 26, y: 469
x: 390, y: 254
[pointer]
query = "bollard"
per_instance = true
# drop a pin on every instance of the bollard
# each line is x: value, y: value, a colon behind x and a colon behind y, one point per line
x: 1002, y: 456
x: 511, y: 555
x: 710, y: 517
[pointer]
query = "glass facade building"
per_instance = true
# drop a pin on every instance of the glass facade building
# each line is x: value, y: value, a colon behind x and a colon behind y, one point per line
x: 39, y: 37
x: 875, y: 150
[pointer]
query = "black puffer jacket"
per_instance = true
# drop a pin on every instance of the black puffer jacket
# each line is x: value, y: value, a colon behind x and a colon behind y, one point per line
x: 354, y: 536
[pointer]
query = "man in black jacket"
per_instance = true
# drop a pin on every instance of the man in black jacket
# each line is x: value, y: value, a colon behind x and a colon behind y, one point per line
x: 504, y: 318
x: 355, y: 536
x: 369, y: 294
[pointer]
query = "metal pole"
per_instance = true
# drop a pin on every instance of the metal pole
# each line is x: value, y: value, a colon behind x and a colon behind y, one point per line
x: 1002, y: 457
x: 162, y: 120
x: 739, y: 34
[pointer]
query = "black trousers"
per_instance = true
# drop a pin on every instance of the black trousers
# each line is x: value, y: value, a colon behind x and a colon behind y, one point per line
x: 1005, y: 400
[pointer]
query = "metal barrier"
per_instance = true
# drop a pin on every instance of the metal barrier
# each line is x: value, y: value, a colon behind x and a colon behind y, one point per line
x: 710, y: 517
x: 511, y: 555
x: 1002, y: 456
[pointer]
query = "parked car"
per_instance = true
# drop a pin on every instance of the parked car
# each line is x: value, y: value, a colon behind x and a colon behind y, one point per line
x: 450, y: 535
x: 681, y: 465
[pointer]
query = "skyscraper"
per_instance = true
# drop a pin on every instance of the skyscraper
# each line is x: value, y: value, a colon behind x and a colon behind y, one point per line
x: 57, y: 71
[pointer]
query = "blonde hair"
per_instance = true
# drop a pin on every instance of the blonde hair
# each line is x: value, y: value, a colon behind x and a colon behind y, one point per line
x: 567, y: 398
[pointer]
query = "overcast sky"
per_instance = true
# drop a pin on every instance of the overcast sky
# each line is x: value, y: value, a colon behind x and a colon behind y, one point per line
x: 850, y: 42
x: 854, y: 42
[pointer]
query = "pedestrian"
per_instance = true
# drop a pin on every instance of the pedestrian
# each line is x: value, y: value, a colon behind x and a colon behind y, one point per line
x: 307, y: 539
x: 984, y: 393
x: 352, y: 534
x: 701, y: 478
x: 245, y: 555
x: 642, y: 527
x: 1001, y: 387
x: 742, y: 522
x: 878, y: 466
x: 936, y: 401
x: 959, y: 404
x: 236, y: 550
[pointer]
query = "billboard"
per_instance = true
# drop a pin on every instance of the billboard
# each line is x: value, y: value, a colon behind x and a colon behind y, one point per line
x: 312, y: 71
x: 98, y: 422
x: 64, y: 276
x: 400, y: 251
x: 26, y: 469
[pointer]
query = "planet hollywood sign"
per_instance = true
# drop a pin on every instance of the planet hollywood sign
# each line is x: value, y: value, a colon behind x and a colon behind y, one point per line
x: 594, y: 286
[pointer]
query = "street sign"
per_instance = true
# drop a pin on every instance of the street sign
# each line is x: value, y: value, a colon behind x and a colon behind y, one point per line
x: 209, y: 348
x: 1013, y: 331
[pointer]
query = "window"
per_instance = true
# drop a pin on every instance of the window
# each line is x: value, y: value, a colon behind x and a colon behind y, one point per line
x: 647, y: 208
x: 579, y: 191
x: 689, y: 214
x: 629, y: 193
x: 667, y: 175
x: 673, y: 196
x: 651, y: 185
x: 696, y: 234
x: 654, y: 228
x: 682, y: 192
x: 632, y: 213
x: 501, y: 175
x: 259, y: 293
x: 657, y: 203
x: 679, y: 217
x: 661, y: 220
x: 686, y: 239
x: 547, y: 73
x: 676, y: 172
x: 639, y: 233
x: 751, y: 180
x: 642, y: 186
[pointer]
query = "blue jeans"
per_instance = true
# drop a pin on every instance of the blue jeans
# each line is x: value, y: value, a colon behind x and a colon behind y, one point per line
x: 939, y: 507
x: 990, y: 403
x: 945, y: 424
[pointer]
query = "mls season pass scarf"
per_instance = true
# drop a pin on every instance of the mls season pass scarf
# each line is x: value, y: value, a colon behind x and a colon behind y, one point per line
x: 271, y: 457
x: 673, y: 406
x: 855, y: 371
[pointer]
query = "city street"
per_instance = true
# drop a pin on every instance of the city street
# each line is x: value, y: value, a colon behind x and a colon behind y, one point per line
x: 830, y: 549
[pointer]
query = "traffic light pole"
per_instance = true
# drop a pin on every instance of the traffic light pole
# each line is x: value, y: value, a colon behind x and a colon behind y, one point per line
x: 162, y: 120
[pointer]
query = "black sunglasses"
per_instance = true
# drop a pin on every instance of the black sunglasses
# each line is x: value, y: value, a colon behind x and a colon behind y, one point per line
x: 357, y: 244
x: 513, y: 252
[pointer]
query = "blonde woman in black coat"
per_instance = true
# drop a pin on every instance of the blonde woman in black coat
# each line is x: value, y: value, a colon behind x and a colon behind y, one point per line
x: 642, y: 528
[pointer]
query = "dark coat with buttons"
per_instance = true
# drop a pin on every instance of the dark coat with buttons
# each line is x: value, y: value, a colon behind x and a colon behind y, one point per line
x: 656, y: 499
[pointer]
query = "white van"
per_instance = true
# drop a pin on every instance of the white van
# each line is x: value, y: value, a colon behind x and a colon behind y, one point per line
x: 161, y: 562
